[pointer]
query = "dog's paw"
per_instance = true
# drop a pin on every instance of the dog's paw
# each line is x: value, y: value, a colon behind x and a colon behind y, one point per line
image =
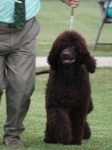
x: 76, y: 142
x: 49, y: 139
x: 66, y: 140
x: 46, y: 140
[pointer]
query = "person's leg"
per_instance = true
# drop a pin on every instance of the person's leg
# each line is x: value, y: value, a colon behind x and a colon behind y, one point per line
x: 20, y: 78
x: 4, y: 48
x: 2, y: 75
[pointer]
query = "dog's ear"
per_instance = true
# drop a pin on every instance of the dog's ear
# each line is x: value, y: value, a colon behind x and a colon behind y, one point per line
x: 84, y: 55
x: 90, y: 62
x: 53, y: 61
x: 53, y: 57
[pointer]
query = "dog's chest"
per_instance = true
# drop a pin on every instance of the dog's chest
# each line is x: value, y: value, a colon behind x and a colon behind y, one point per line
x: 66, y: 88
x: 67, y: 96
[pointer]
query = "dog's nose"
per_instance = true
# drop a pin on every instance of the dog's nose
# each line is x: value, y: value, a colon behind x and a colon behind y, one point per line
x: 65, y: 54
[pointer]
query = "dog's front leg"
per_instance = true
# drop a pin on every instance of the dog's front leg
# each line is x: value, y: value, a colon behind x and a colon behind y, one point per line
x: 78, y: 122
x: 58, y: 127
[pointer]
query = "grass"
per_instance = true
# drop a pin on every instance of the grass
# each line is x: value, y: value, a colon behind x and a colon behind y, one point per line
x: 100, y: 119
x: 54, y: 18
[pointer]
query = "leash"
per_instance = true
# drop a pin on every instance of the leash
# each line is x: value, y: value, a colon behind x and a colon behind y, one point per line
x: 72, y: 18
x: 71, y: 28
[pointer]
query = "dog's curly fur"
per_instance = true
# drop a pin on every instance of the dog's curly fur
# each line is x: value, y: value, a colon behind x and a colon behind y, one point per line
x: 68, y: 93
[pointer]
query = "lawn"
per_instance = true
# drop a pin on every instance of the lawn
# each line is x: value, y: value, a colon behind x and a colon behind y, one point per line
x: 100, y: 119
x: 54, y: 18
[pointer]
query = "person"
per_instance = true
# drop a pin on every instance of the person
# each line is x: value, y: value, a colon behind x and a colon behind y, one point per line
x: 109, y: 10
x: 103, y: 5
x: 17, y: 62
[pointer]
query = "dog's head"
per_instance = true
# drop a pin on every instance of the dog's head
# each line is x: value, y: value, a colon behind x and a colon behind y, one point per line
x: 68, y: 56
x: 70, y: 47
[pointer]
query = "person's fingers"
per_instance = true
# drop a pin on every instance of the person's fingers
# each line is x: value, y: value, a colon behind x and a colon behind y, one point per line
x: 74, y: 3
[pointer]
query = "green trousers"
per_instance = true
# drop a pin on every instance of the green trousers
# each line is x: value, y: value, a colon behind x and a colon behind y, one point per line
x: 17, y: 72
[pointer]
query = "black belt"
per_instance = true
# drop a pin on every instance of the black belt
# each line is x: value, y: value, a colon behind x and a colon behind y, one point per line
x: 8, y: 25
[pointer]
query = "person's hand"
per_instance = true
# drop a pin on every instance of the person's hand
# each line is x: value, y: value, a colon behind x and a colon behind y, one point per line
x: 72, y: 3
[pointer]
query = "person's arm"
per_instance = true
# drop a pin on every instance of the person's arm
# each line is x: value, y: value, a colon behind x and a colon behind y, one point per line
x: 72, y: 3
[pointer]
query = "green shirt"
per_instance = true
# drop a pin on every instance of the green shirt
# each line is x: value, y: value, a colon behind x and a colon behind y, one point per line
x: 7, y: 9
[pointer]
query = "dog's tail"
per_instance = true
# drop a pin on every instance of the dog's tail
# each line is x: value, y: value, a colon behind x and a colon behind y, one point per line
x: 42, y: 72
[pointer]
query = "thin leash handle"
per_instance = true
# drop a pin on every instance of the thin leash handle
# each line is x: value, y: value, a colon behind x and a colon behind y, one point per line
x: 72, y: 18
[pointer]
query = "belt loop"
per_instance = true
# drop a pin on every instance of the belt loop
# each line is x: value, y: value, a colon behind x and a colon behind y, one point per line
x: 8, y: 25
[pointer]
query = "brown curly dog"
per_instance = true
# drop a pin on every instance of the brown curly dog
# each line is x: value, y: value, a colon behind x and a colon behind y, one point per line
x: 68, y: 93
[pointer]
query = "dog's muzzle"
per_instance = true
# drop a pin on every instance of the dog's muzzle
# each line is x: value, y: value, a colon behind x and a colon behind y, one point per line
x: 66, y: 58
